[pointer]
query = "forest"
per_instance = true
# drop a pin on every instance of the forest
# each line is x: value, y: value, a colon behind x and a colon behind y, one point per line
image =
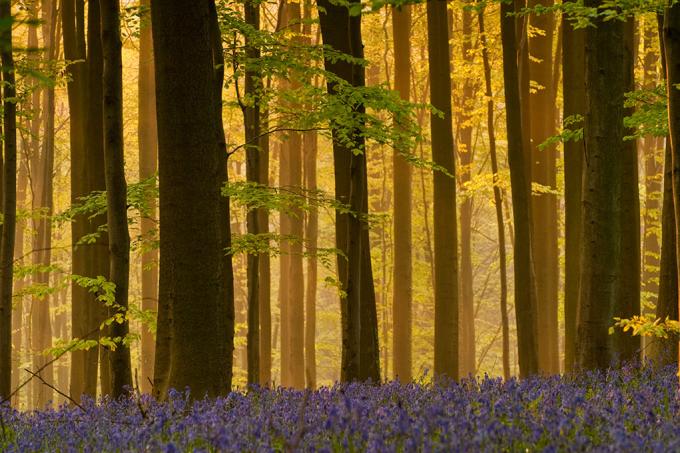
x: 339, y: 225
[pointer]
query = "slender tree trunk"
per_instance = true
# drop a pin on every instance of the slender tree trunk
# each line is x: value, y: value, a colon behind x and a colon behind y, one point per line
x: 251, y: 117
x: 310, y: 151
x: 116, y: 191
x: 498, y: 199
x: 465, y: 153
x: 651, y: 148
x: 83, y: 379
x: 148, y: 165
x: 310, y: 141
x: 360, y: 352
x: 292, y: 363
x: 98, y: 252
x: 264, y: 280
x: 9, y: 201
x: 665, y: 351
x: 226, y: 310
x: 603, y: 187
x: 191, y: 265
x: 542, y: 113
x: 625, y: 346
x: 671, y: 45
x: 446, y: 361
x: 19, y: 284
x: 402, y: 336
x: 525, y: 298
x: 573, y: 79
x: 41, y: 331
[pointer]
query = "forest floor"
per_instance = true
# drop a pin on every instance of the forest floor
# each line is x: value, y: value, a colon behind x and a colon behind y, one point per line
x: 621, y: 410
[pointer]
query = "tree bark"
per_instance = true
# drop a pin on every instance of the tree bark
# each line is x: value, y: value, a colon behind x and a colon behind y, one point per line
x: 542, y: 113
x: 601, y: 245
x: 148, y: 165
x: 627, y: 347
x: 465, y: 153
x: 360, y: 352
x: 116, y: 191
x: 191, y: 245
x: 251, y: 118
x: 9, y: 200
x: 665, y: 351
x: 525, y: 297
x: 671, y: 45
x: 310, y: 156
x: 573, y: 79
x: 498, y: 199
x: 446, y: 361
x: 403, y: 275
x: 83, y: 379
x: 651, y: 148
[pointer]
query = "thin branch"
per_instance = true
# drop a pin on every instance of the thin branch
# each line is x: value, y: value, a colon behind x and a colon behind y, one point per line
x: 272, y: 131
x: 65, y: 395
x: 50, y: 362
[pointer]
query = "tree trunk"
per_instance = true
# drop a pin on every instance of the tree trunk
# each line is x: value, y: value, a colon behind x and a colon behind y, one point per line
x: 310, y: 143
x: 603, y: 187
x: 525, y: 298
x: 148, y: 165
x: 9, y: 200
x: 542, y: 113
x: 191, y: 265
x: 403, y: 275
x: 83, y: 379
x: 251, y: 118
x: 671, y: 45
x: 264, y: 280
x: 98, y: 252
x: 626, y: 347
x: 360, y: 352
x: 665, y: 351
x: 446, y: 309
x: 465, y: 153
x: 498, y: 199
x: 116, y: 191
x: 292, y: 361
x: 573, y: 79
x: 651, y: 148
x: 19, y: 284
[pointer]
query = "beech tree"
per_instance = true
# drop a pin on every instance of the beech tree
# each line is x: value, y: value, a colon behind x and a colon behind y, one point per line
x: 360, y: 354
x: 116, y: 193
x: 525, y: 297
x: 9, y: 168
x: 191, y: 285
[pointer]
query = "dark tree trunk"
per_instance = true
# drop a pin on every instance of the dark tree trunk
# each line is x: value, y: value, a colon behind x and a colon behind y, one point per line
x: 602, y: 257
x: 498, y: 199
x: 446, y: 309
x: 360, y: 352
x: 525, y: 298
x: 148, y: 165
x: 83, y: 379
x: 191, y: 245
x: 116, y: 192
x: 9, y: 200
x: 251, y: 117
x: 671, y: 45
x: 574, y: 85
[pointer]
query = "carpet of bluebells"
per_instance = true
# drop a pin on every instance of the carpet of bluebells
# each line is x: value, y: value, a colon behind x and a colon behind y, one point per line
x: 622, y: 410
